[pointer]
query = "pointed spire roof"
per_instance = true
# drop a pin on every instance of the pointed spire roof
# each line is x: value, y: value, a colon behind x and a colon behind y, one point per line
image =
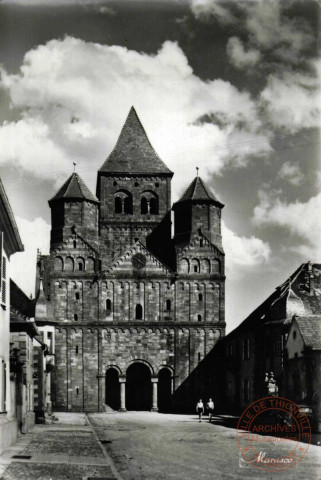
x: 198, y: 191
x: 133, y: 152
x: 74, y: 188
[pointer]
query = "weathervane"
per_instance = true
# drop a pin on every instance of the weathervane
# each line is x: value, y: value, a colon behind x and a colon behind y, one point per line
x: 197, y: 169
x: 74, y: 164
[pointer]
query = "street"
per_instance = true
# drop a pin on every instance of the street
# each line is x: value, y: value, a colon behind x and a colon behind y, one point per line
x: 152, y: 446
x: 137, y: 446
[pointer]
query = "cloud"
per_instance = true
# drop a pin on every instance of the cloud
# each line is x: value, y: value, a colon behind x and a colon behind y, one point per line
x: 292, y: 100
x: 291, y: 173
x: 34, y: 234
x: 239, y: 57
x: 301, y: 219
x: 205, y: 9
x: 243, y: 252
x: 74, y: 113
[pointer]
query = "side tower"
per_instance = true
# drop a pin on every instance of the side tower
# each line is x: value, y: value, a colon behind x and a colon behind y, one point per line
x: 200, y: 256
x: 134, y: 189
x: 74, y: 208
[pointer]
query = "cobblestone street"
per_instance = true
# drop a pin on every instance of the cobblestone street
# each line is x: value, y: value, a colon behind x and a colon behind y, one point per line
x: 137, y: 446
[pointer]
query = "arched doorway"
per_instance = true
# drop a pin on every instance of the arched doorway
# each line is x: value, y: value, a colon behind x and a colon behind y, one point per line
x: 112, y: 389
x: 138, y: 387
x: 164, y: 390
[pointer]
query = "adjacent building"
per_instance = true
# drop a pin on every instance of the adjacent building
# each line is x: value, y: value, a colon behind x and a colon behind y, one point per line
x: 10, y: 243
x: 303, y: 364
x: 131, y: 307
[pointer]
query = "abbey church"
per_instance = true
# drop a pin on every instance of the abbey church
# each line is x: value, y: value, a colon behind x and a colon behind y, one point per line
x: 132, y: 293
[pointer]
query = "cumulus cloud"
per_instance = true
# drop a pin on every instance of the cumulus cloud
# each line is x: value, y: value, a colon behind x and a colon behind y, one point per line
x: 74, y: 113
x: 292, y: 173
x: 240, y: 57
x: 301, y: 219
x: 292, y: 100
x: 243, y: 252
x: 35, y: 235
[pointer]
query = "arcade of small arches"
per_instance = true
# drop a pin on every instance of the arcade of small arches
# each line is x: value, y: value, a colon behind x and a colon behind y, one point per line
x: 74, y: 263
x: 141, y: 387
x: 203, y: 265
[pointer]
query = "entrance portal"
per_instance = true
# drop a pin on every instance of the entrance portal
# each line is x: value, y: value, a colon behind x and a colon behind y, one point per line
x: 138, y: 387
x: 112, y: 390
x: 164, y: 390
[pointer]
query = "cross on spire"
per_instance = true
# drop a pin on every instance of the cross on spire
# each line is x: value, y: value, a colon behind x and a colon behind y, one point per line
x: 74, y: 164
x: 197, y: 169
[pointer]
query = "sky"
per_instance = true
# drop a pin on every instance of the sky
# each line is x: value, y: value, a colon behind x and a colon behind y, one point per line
x: 231, y: 87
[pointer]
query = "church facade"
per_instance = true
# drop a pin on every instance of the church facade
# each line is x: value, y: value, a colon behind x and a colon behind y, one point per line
x: 133, y: 304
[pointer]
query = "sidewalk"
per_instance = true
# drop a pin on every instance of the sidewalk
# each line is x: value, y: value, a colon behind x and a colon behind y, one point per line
x: 67, y: 449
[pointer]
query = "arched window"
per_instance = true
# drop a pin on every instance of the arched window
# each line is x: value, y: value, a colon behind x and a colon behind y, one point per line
x: 75, y: 317
x: 139, y: 312
x: 123, y: 202
x: 199, y: 318
x: 200, y: 297
x: 108, y: 306
x: 80, y: 264
x: 201, y: 242
x: 118, y: 205
x: 195, y: 265
x: 77, y: 296
x: 75, y: 244
x: 168, y: 305
x: 149, y: 203
x: 143, y: 206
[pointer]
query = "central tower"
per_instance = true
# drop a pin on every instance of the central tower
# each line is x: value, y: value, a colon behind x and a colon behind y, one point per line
x: 134, y: 189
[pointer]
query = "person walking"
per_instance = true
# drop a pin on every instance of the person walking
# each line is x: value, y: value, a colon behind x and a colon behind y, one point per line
x: 200, y: 409
x: 210, y: 409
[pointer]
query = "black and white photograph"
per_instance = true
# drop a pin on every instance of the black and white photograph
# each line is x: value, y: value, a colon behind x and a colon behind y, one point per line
x: 160, y: 239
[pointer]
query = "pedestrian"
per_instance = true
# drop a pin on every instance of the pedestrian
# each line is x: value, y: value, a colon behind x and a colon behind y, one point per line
x: 200, y: 409
x: 210, y: 409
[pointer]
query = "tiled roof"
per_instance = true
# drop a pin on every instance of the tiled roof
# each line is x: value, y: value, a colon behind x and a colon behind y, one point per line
x: 199, y: 191
x: 74, y: 187
x: 310, y: 329
x: 133, y: 152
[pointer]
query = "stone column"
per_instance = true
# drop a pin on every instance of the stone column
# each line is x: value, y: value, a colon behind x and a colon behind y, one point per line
x: 155, y: 396
x: 122, y: 381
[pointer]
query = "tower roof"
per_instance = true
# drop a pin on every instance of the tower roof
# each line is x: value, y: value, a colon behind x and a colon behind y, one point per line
x: 198, y: 191
x: 74, y: 188
x: 133, y: 152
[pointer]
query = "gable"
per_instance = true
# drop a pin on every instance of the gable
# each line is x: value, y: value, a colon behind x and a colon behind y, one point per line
x: 138, y: 261
x: 199, y: 245
x: 74, y: 245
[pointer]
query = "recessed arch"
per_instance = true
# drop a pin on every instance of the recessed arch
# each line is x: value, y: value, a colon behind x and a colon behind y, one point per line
x: 184, y: 265
x: 138, y: 386
x: 112, y: 388
x: 149, y: 203
x: 59, y: 264
x: 69, y: 264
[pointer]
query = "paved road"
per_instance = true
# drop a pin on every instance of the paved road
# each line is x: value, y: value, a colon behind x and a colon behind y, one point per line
x: 67, y: 450
x: 152, y: 446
